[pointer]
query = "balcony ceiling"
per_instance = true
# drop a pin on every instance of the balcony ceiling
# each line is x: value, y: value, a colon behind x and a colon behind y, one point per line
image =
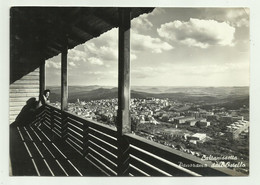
x: 38, y: 33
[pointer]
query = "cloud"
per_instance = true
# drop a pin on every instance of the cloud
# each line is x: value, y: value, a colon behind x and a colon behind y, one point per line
x: 75, y: 57
x: 147, y: 72
x: 96, y: 51
x: 145, y: 42
x: 142, y: 23
x: 93, y: 72
x: 198, y: 33
x: 53, y: 64
x: 72, y: 64
x: 238, y: 17
x: 95, y: 61
x: 209, y: 69
x: 104, y: 49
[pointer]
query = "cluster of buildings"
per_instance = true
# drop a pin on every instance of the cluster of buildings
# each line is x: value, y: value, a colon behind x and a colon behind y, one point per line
x: 177, y: 124
x: 190, y: 137
x: 237, y: 128
x: 99, y: 110
x: 197, y: 137
x: 156, y: 111
x: 144, y: 111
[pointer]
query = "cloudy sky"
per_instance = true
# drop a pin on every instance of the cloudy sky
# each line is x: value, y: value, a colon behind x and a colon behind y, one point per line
x: 169, y: 47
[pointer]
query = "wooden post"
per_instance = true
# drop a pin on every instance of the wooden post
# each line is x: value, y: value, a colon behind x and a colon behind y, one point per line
x: 39, y: 116
x: 42, y: 77
x: 123, y: 116
x: 64, y: 77
x: 85, y: 139
x: 64, y: 87
x: 123, y: 124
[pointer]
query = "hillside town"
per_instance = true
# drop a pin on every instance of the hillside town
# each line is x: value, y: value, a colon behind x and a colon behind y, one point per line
x: 184, y: 126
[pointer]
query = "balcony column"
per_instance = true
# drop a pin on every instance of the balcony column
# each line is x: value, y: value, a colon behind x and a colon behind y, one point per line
x: 64, y: 76
x: 64, y: 88
x: 124, y: 124
x: 123, y: 116
x: 42, y: 76
x: 40, y: 116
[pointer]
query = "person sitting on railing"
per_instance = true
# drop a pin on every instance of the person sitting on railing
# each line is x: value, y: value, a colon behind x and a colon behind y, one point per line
x: 44, y: 98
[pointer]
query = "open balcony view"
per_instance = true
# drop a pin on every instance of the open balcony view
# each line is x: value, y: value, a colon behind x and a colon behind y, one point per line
x: 129, y: 91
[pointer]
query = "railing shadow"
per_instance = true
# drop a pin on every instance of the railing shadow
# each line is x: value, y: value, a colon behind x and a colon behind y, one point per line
x: 19, y: 158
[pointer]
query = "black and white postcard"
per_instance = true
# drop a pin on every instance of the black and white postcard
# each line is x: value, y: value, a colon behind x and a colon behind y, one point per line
x: 149, y: 90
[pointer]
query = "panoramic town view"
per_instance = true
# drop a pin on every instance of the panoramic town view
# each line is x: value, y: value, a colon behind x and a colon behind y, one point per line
x: 189, y: 82
x: 207, y: 126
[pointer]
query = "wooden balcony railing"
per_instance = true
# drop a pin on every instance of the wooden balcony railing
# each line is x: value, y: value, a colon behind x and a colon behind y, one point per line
x: 99, y: 144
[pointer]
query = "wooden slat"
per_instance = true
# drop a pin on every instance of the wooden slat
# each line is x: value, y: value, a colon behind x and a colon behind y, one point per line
x: 55, y: 125
x: 19, y: 99
x: 46, y: 154
x: 31, y: 77
x: 63, y: 161
x: 56, y: 110
x: 42, y: 167
x: 106, y: 154
x: 99, y: 165
x: 15, y: 108
x: 20, y: 159
x: 136, y: 172
x: 21, y: 91
x: 75, y: 144
x: 102, y: 144
x: 166, y: 167
x: 140, y: 165
x: 17, y: 104
x: 76, y: 123
x: 76, y: 129
x: 102, y: 160
x: 104, y: 128
x: 47, y: 107
x: 51, y: 107
x: 57, y: 130
x: 48, y: 123
x: 14, y: 113
x: 47, y: 117
x: 24, y: 95
x: 102, y: 136
x: 57, y: 122
x: 177, y: 157
x: 77, y: 135
x: 57, y: 113
x: 27, y: 90
x: 26, y: 82
x: 23, y: 87
x: 57, y: 117
x: 74, y: 117
x: 79, y: 142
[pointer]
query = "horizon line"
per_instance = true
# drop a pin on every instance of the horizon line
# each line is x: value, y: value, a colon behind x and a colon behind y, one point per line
x: 151, y: 86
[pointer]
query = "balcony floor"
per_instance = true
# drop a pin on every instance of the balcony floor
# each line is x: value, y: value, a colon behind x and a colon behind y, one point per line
x: 37, y: 152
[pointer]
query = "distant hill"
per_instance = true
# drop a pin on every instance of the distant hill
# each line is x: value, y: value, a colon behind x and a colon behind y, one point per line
x: 228, y: 96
